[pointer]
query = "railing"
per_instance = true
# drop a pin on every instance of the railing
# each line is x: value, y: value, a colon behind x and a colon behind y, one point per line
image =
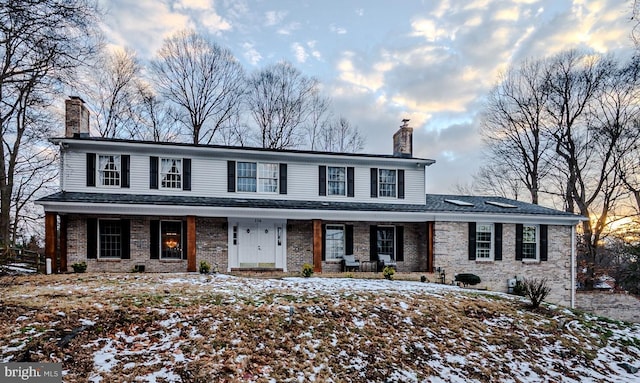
x: 16, y: 258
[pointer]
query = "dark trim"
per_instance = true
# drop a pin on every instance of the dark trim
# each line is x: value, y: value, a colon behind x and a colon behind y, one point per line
x: 92, y: 238
x: 125, y: 170
x: 184, y: 241
x: 519, y: 229
x: 497, y: 242
x: 350, y: 181
x: 374, y: 184
x: 472, y: 241
x: 231, y: 176
x: 154, y: 239
x: 399, y: 243
x: 186, y: 174
x: 324, y: 242
x: 544, y: 240
x: 91, y: 169
x: 283, y: 179
x: 125, y: 238
x: 400, y: 183
x: 153, y: 172
x: 348, y: 239
x: 373, y: 243
x: 322, y: 180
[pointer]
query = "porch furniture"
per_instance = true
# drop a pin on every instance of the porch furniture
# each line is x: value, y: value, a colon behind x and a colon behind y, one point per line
x: 385, y: 260
x: 370, y: 266
x: 350, y: 262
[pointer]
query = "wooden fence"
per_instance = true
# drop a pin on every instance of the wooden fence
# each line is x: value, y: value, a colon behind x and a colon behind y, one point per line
x: 25, y: 259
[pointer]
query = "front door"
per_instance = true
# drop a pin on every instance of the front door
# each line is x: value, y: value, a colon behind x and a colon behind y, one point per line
x: 257, y: 244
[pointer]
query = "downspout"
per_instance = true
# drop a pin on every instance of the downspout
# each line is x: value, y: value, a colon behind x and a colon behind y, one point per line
x: 573, y: 267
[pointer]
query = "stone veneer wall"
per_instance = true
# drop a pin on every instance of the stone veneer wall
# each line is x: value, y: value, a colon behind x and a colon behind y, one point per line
x: 300, y: 245
x: 211, y: 245
x: 617, y: 306
x: 451, y: 253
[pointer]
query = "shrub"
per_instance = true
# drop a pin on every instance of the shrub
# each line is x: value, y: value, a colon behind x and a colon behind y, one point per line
x: 467, y: 279
x: 536, y: 290
x: 519, y: 289
x: 388, y: 272
x: 205, y: 267
x: 79, y: 267
x: 423, y: 278
x: 307, y: 270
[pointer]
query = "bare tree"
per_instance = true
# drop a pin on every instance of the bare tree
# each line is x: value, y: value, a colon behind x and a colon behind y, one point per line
x: 339, y: 136
x: 280, y: 99
x: 204, y: 81
x: 42, y: 42
x: 512, y: 127
x: 155, y: 119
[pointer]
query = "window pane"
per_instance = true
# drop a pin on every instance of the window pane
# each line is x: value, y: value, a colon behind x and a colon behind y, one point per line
x: 108, y: 172
x: 334, y: 241
x: 529, y: 242
x: 387, y: 183
x: 336, y: 180
x: 268, y: 178
x: 247, y: 173
x: 171, y: 173
x: 110, y: 239
x: 483, y: 240
x: 171, y: 239
x: 386, y: 241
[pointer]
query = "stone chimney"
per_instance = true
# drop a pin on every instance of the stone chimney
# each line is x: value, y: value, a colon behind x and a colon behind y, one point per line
x: 76, y: 122
x: 403, y: 141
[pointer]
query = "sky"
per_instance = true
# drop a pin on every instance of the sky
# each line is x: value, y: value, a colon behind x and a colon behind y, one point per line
x: 432, y: 62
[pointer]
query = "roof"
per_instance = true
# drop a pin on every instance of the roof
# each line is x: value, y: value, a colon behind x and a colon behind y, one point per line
x: 98, y: 140
x: 437, y: 207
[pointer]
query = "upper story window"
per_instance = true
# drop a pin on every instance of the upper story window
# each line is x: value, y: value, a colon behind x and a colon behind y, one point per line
x: 387, y: 183
x: 171, y: 173
x: 336, y: 179
x: 257, y: 177
x: 484, y: 239
x: 109, y: 170
x: 529, y: 242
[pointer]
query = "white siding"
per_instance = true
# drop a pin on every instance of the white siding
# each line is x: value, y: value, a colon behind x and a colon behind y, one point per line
x: 209, y: 177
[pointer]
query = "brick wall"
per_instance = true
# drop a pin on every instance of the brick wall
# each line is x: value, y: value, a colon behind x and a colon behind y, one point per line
x: 451, y: 253
x: 617, y: 306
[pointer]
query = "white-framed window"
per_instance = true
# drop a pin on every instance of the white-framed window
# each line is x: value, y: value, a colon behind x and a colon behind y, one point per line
x: 484, y: 241
x: 108, y: 170
x: 530, y: 242
x: 171, y: 239
x: 257, y: 177
x: 109, y: 239
x: 171, y: 173
x: 336, y: 180
x: 334, y: 241
x: 386, y: 240
x: 387, y: 183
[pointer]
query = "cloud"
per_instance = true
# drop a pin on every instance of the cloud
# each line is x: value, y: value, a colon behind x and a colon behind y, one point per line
x: 289, y: 28
x: 299, y: 52
x: 250, y: 53
x: 274, y: 17
x: 337, y: 30
x: 192, y: 4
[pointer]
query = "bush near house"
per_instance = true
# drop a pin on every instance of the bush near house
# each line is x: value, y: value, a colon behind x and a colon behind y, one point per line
x: 467, y: 279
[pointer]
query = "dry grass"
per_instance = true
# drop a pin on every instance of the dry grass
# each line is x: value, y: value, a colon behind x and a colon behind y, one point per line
x: 191, y: 328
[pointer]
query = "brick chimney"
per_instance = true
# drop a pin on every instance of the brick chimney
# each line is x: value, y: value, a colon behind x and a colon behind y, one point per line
x: 403, y: 141
x: 76, y: 122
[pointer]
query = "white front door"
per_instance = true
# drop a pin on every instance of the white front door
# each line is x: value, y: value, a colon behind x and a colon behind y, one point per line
x: 257, y: 243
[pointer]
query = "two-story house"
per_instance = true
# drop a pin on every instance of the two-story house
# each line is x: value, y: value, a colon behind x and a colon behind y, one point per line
x: 165, y: 207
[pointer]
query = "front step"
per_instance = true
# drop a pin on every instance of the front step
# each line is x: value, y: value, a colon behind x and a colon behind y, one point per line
x: 256, y: 271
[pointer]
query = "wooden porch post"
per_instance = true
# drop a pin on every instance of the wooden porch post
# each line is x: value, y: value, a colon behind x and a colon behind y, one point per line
x: 63, y: 243
x: 191, y: 243
x: 50, y: 239
x: 430, y: 237
x: 317, y: 245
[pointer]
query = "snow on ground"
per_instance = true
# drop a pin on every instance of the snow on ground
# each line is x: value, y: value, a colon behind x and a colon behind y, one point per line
x: 189, y: 327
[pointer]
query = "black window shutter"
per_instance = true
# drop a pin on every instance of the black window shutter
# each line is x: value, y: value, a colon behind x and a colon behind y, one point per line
x: 91, y: 169
x: 154, y: 239
x: 497, y: 242
x: 322, y: 180
x: 348, y: 239
x: 153, y: 172
x: 125, y: 170
x: 184, y: 240
x: 544, y: 243
x: 92, y: 238
x: 373, y: 243
x: 400, y: 243
x: 472, y: 241
x: 324, y: 242
x: 350, y: 182
x: 374, y: 185
x: 231, y: 176
x: 519, y: 228
x: 283, y: 178
x: 401, y: 184
x: 186, y: 174
x: 125, y: 237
